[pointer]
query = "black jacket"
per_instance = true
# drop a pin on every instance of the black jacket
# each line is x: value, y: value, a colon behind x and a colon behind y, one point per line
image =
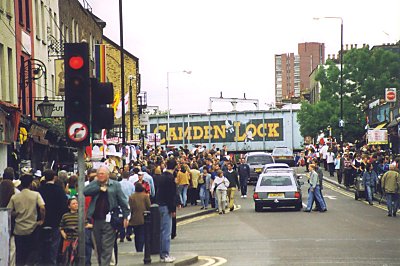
x: 244, y: 170
x: 56, y: 204
x: 233, y: 179
x: 166, y: 192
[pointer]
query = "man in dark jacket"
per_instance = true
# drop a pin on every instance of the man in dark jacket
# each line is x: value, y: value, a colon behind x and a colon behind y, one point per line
x: 56, y: 205
x: 244, y: 174
x: 166, y: 199
x: 320, y: 173
x: 233, y: 178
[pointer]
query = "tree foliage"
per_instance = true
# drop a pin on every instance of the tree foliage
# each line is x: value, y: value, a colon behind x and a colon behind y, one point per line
x: 366, y: 74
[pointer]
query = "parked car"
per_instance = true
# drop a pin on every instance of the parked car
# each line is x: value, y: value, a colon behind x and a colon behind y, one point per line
x: 256, y: 161
x: 272, y: 166
x: 277, y: 189
x: 284, y: 155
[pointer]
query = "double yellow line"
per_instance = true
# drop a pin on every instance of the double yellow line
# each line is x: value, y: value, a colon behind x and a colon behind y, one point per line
x: 350, y: 195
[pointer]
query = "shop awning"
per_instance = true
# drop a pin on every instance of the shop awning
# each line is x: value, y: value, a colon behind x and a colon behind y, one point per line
x: 380, y: 126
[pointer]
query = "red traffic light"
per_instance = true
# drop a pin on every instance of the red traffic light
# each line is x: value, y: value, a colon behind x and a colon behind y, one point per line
x: 76, y: 62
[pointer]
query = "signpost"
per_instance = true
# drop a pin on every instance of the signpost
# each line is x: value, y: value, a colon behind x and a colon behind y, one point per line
x: 390, y: 95
x: 377, y: 137
x: 154, y: 138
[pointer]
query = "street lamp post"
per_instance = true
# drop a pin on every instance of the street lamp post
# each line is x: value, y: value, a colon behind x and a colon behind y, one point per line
x: 35, y: 69
x: 168, y: 111
x: 341, y: 122
x: 131, y: 77
x: 121, y: 50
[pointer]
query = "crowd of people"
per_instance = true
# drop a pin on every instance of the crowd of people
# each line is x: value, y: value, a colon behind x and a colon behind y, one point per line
x: 45, y: 206
x: 378, y: 168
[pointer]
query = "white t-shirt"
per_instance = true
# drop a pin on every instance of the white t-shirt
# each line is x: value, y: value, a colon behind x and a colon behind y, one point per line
x: 330, y: 157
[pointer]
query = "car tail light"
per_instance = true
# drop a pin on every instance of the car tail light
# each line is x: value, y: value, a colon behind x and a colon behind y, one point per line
x: 255, y: 195
x: 297, y: 195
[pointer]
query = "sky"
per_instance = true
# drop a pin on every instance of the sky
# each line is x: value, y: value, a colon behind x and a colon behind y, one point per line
x: 229, y: 45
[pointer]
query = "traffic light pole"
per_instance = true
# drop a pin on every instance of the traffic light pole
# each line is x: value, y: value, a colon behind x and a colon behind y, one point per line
x: 81, y: 202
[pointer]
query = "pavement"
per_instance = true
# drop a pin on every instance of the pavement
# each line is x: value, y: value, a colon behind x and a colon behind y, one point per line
x: 128, y: 256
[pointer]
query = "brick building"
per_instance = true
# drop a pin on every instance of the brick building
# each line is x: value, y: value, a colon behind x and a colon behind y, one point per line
x: 292, y: 71
x: 78, y: 23
x: 113, y: 69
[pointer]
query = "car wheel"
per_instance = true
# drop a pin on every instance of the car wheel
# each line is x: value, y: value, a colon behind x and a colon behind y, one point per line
x: 258, y: 208
x: 299, y: 206
x: 356, y: 196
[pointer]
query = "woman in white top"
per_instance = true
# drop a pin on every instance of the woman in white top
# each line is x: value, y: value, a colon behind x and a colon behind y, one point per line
x: 330, y: 160
x: 220, y: 186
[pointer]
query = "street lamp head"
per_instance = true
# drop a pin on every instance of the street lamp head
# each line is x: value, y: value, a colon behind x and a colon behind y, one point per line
x: 316, y: 18
x: 187, y: 72
x: 131, y: 77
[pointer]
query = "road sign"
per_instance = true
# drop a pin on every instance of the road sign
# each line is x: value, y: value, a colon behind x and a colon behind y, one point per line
x: 144, y: 119
x: 390, y: 95
x: 154, y: 138
x: 58, y: 109
x: 341, y: 123
x: 78, y: 132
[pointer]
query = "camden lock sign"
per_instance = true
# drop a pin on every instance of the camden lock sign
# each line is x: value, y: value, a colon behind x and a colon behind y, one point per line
x: 221, y: 131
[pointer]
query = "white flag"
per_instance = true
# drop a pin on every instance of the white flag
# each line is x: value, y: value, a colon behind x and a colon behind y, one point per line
x: 118, y: 112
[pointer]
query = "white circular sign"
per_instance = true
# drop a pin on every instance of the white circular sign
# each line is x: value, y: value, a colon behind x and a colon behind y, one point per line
x: 78, y: 132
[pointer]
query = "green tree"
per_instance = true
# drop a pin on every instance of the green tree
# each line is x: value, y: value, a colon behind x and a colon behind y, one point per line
x: 366, y: 74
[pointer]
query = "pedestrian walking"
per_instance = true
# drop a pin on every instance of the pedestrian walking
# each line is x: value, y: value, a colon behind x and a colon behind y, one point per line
x: 330, y: 160
x: 369, y: 178
x: 204, y: 188
x: 234, y: 183
x: 219, y: 188
x: 56, y: 205
x: 390, y: 186
x: 128, y: 188
x: 24, y: 206
x: 244, y: 175
x: 166, y: 199
x: 339, y: 167
x: 194, y: 183
x: 183, y: 180
x: 314, y: 191
x: 107, y: 197
x: 348, y: 170
x: 139, y: 202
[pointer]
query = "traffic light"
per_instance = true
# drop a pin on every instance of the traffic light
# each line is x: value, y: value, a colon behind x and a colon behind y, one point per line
x: 77, y: 93
x: 102, y: 95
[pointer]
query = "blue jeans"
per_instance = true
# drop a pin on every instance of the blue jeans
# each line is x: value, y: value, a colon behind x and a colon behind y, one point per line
x: 165, y: 231
x: 50, y: 243
x: 316, y: 194
x: 392, y: 200
x: 369, y: 191
x: 139, y: 237
x: 204, y: 196
x: 243, y: 185
x: 183, y: 193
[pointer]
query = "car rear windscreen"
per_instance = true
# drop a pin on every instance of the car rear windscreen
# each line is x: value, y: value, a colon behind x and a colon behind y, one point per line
x: 282, y: 151
x: 276, y: 181
x: 259, y: 159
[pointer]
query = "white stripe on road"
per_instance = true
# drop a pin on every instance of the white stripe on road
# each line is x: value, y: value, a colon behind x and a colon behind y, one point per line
x: 213, y: 261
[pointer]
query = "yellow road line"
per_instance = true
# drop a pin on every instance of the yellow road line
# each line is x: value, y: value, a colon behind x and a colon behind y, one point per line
x: 213, y: 261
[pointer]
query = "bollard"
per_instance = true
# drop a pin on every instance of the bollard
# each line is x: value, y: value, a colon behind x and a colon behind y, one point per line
x: 155, y: 229
x: 147, y: 238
